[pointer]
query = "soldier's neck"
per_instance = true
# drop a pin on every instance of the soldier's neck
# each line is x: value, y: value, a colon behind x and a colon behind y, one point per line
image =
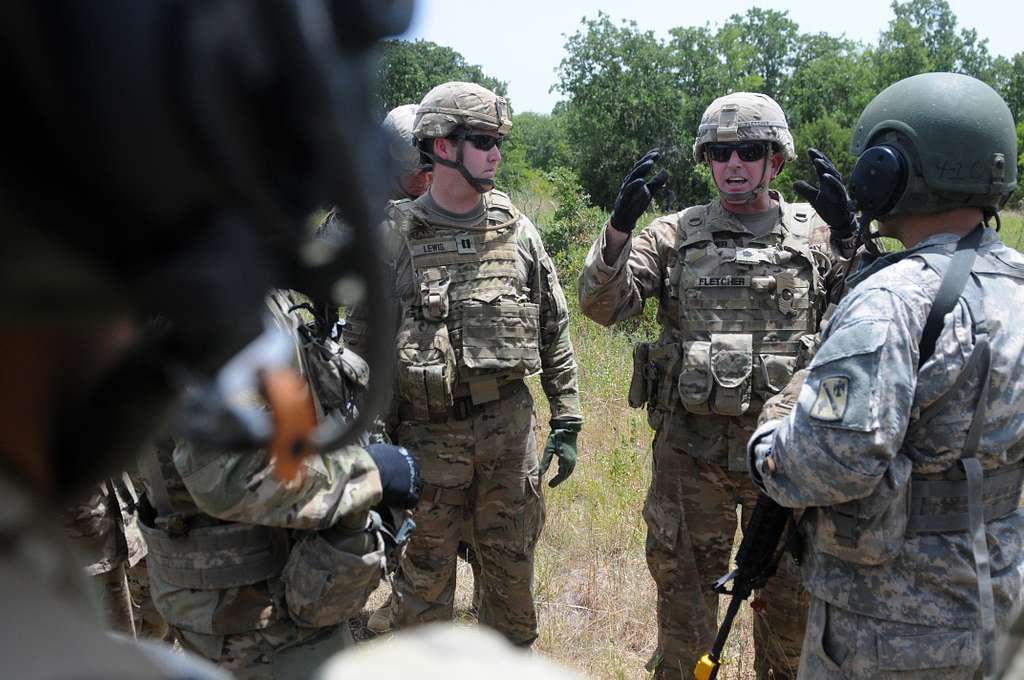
x: 912, y: 229
x: 456, y: 201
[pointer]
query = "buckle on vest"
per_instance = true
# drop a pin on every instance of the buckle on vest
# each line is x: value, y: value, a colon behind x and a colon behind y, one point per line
x: 174, y: 525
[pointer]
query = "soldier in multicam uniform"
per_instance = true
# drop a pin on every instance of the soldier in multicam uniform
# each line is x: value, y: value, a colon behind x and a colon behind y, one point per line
x: 742, y: 284
x: 907, y: 437
x: 259, y: 576
x: 483, y: 309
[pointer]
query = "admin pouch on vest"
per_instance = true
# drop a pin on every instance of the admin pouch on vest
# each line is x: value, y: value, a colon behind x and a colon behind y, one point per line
x: 329, y: 578
x: 745, y: 313
x: 473, y: 326
x: 872, y: 531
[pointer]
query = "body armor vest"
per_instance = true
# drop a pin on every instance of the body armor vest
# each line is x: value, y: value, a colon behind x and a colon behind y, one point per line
x: 747, y: 309
x: 473, y: 322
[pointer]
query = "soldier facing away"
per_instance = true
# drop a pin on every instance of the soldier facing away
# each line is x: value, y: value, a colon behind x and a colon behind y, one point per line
x: 742, y: 284
x: 907, y: 437
x: 482, y: 309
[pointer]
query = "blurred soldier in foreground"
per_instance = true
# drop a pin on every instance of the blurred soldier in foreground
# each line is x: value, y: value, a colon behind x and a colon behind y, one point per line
x: 907, y: 438
x: 742, y: 284
x: 165, y: 165
x: 482, y: 309
x: 262, y: 576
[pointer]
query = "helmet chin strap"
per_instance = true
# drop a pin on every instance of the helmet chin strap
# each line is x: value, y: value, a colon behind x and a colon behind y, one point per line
x: 746, y: 196
x: 481, y: 184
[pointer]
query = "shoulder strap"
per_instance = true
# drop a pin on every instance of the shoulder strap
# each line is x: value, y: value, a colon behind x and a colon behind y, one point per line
x: 952, y: 286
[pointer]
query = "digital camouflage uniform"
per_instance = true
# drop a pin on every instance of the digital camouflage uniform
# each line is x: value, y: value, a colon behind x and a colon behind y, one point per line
x: 104, y: 530
x: 905, y: 446
x: 252, y: 573
x: 482, y: 309
x: 913, y: 611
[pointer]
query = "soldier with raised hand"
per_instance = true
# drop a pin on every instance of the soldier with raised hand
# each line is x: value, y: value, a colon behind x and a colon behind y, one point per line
x: 482, y: 309
x: 742, y: 283
x: 906, y: 442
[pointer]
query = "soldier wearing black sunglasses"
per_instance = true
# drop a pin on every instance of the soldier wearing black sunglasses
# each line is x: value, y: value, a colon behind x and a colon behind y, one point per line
x: 742, y: 284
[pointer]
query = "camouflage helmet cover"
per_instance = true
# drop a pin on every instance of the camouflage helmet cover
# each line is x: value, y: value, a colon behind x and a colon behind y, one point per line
x: 454, y: 105
x: 398, y: 125
x: 740, y: 117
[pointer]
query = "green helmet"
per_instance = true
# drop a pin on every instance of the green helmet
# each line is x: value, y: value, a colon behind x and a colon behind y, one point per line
x: 933, y: 142
x: 455, y: 105
x: 743, y: 117
x: 453, y: 110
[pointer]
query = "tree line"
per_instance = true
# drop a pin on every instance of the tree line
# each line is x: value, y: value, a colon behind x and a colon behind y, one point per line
x: 628, y: 90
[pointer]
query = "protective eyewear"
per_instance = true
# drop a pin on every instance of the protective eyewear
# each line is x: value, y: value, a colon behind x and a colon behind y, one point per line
x: 484, y: 142
x: 721, y: 153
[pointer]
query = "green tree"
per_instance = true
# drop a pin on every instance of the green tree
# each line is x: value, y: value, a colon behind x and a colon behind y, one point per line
x: 408, y: 70
x: 543, y: 138
x: 623, y: 100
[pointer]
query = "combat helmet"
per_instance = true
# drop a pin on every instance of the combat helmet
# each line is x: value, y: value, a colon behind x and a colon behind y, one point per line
x: 453, y: 110
x: 398, y: 125
x: 745, y: 117
x: 933, y: 142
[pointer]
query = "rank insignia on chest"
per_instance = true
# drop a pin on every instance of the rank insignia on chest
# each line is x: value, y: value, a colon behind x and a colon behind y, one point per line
x: 831, y: 402
x: 465, y: 244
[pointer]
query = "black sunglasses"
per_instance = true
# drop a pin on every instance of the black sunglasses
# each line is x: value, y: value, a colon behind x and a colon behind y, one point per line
x: 483, y: 142
x: 721, y: 153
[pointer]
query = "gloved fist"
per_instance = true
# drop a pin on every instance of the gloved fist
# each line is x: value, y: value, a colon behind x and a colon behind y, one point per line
x: 562, y: 443
x: 399, y: 475
x: 831, y: 199
x: 636, y: 193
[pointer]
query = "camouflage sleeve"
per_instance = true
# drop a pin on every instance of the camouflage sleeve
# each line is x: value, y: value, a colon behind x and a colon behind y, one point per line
x: 616, y: 291
x: 559, y: 376
x: 241, y: 487
x: 853, y: 407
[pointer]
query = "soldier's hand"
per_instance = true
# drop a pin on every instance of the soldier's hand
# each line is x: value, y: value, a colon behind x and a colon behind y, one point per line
x: 830, y: 199
x: 562, y: 443
x: 399, y: 475
x: 636, y: 193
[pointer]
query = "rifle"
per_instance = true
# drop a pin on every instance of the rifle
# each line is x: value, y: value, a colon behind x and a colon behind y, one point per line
x: 756, y: 561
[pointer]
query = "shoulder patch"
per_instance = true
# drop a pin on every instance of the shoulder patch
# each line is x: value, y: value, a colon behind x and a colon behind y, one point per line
x: 830, y: 404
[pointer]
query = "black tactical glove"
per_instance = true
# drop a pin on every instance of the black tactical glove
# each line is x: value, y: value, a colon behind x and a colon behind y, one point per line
x: 831, y: 200
x: 636, y: 193
x: 399, y: 475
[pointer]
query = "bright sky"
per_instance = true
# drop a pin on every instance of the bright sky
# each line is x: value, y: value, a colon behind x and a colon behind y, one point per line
x: 522, y: 41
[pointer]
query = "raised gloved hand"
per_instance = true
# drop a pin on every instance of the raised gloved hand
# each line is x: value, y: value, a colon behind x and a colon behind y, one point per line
x: 830, y: 199
x: 399, y: 475
x: 636, y: 193
x: 562, y: 443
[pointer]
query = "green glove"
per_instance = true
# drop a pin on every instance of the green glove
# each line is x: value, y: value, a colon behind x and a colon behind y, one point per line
x: 562, y: 443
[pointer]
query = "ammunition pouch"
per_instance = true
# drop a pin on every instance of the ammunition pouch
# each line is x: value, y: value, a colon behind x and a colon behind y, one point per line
x: 716, y: 374
x: 330, y: 574
x: 638, y: 381
x: 426, y: 368
x: 499, y: 338
x: 228, y: 555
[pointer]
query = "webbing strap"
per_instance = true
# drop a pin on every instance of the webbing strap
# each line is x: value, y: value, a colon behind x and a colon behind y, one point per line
x: 976, y: 512
x: 157, y: 495
x: 949, y: 291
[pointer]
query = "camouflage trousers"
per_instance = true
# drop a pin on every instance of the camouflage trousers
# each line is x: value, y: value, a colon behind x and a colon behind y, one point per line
x: 281, y: 651
x: 482, y: 470
x: 691, y: 525
x: 841, y: 644
x: 148, y: 622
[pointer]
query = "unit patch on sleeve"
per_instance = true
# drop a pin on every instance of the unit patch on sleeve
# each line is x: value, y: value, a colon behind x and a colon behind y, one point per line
x: 832, y: 399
